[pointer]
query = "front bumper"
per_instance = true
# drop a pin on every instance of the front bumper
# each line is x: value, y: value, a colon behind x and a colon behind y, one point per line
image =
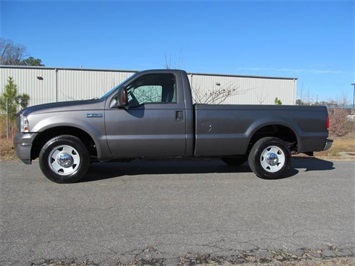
x: 328, y: 144
x: 23, y: 146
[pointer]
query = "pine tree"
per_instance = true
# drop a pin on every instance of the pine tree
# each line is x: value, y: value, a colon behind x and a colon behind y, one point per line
x: 10, y: 100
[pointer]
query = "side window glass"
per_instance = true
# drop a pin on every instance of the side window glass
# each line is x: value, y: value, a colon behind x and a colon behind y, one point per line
x: 152, y: 88
x: 149, y: 94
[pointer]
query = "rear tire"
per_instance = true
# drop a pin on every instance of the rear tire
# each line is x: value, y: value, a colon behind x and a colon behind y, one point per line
x: 270, y: 158
x: 64, y: 159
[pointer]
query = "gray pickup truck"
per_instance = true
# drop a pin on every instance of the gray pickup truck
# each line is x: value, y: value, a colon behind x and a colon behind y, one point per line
x: 152, y: 114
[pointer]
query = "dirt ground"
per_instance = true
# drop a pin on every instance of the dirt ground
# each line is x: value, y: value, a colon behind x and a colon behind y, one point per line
x: 342, y: 148
x: 7, y: 153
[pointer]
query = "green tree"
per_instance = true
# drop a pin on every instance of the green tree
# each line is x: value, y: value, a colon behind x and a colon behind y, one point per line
x: 299, y: 102
x: 31, y: 62
x: 13, y: 54
x: 278, y: 101
x: 10, y: 100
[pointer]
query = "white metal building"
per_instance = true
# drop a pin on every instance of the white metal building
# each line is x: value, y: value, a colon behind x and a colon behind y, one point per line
x: 48, y: 84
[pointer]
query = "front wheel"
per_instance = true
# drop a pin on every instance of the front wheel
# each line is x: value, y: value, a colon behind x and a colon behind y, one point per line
x: 64, y: 159
x: 270, y: 158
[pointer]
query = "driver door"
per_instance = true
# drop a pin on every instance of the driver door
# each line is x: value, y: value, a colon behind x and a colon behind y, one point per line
x: 153, y: 124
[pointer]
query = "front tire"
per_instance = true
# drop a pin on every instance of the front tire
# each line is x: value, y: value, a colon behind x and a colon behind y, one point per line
x: 64, y: 159
x: 270, y: 158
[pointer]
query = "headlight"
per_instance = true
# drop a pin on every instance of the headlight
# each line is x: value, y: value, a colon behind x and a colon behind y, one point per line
x: 24, y: 125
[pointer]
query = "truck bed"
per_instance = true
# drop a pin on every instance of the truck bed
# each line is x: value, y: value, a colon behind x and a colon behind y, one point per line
x: 227, y: 129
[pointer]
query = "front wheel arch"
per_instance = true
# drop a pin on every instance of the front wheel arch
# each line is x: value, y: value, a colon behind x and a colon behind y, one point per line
x: 43, y: 137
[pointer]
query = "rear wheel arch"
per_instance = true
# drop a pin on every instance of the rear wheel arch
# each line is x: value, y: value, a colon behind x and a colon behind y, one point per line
x: 282, y: 132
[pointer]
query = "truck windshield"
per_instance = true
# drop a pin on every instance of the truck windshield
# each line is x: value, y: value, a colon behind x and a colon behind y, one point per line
x: 115, y: 88
x: 111, y: 91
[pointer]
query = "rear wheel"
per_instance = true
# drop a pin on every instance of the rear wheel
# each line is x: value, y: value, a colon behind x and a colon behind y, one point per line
x: 269, y: 158
x: 64, y: 159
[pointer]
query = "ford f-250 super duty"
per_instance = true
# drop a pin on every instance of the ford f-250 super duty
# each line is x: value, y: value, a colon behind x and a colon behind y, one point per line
x: 151, y: 114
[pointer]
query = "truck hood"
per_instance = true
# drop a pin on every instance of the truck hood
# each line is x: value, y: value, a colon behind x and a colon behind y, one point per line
x: 95, y: 104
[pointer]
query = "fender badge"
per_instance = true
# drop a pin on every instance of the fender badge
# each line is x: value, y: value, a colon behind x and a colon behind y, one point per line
x: 94, y: 115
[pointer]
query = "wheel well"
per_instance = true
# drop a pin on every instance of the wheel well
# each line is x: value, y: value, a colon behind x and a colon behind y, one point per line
x: 44, y: 136
x: 282, y: 132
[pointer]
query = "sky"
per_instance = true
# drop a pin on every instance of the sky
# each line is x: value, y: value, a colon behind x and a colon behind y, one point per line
x: 313, y: 41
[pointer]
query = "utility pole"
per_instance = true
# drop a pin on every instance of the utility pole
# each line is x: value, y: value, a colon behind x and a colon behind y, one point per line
x: 353, y: 111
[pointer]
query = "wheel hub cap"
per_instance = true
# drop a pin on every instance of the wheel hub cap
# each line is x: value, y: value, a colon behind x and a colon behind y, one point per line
x: 272, y: 159
x: 65, y: 160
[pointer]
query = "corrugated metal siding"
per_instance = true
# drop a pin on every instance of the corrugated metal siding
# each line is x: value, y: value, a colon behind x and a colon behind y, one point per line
x: 248, y: 90
x: 80, y: 84
x: 75, y: 84
x: 40, y: 91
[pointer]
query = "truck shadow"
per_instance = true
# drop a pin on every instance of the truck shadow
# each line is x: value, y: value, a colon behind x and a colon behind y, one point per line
x: 100, y: 171
x: 308, y: 164
x: 312, y: 164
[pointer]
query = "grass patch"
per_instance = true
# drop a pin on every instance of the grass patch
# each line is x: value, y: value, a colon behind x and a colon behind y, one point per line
x: 340, y: 145
x: 7, y: 153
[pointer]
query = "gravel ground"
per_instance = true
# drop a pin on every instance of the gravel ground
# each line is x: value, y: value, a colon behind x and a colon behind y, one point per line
x: 150, y: 256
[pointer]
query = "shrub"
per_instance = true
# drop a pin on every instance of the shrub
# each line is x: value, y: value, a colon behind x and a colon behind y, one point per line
x: 339, y: 124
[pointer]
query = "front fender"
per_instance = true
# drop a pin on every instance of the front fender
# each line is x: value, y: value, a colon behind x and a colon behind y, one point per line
x: 93, y: 126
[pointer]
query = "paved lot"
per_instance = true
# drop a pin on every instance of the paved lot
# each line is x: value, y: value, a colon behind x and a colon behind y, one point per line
x: 177, y: 211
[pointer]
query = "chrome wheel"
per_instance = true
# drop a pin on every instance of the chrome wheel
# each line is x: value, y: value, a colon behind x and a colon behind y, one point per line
x: 64, y: 160
x: 272, y: 159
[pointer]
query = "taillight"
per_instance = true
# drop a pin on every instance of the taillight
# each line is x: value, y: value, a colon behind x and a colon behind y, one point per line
x: 327, y: 123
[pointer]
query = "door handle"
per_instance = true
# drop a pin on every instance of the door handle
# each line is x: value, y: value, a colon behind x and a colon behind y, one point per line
x: 179, y: 116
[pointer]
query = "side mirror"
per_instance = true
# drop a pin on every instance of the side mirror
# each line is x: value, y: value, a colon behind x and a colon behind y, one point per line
x: 122, y: 97
x: 120, y: 100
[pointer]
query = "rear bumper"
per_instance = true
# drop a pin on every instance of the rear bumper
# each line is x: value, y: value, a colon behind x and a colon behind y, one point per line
x: 23, y: 146
x: 328, y: 144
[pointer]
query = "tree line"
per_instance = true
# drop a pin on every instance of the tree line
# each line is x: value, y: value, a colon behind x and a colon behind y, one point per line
x: 10, y: 100
x: 15, y: 54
